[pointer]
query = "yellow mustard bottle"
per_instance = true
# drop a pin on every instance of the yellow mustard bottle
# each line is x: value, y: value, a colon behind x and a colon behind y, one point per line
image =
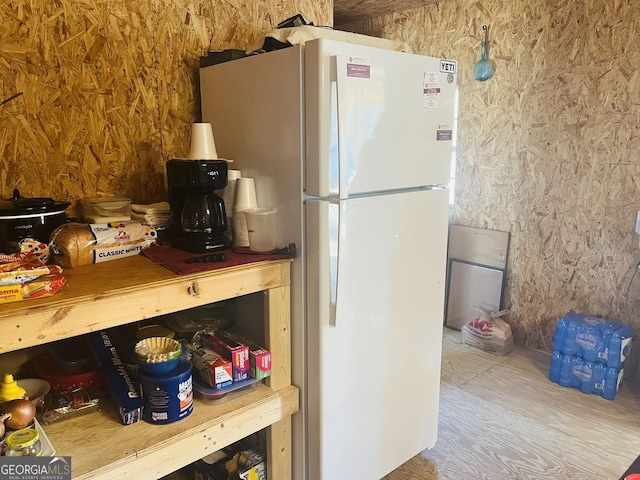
x: 10, y: 390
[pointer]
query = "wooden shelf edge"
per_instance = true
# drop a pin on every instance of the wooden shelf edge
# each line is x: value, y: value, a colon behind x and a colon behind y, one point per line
x: 193, y: 444
x: 88, y: 303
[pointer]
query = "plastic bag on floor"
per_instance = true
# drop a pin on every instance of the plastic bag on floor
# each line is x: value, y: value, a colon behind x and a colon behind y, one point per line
x: 489, y: 332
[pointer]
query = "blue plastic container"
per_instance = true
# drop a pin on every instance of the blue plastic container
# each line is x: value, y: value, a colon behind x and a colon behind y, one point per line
x: 592, y: 338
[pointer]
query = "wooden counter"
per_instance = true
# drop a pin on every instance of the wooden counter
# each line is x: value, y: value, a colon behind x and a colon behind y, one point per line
x: 132, y: 289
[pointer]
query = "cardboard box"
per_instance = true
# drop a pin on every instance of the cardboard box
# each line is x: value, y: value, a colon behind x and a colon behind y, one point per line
x: 252, y: 464
x: 260, y: 362
x: 259, y: 358
x: 122, y: 389
x: 216, y: 371
x: 232, y: 350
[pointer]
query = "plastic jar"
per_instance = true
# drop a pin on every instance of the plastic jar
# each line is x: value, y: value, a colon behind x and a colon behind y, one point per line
x: 24, y: 443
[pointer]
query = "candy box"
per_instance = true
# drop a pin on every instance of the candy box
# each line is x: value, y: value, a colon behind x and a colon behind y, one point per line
x: 232, y: 350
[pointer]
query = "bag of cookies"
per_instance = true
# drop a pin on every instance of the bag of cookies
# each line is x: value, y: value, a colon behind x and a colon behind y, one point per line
x: 77, y: 244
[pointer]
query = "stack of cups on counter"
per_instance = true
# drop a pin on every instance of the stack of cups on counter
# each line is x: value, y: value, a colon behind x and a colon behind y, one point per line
x: 253, y: 227
x: 229, y: 196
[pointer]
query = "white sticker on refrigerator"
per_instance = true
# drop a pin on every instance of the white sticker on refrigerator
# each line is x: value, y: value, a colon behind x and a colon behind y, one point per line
x: 358, y: 67
x: 431, y: 90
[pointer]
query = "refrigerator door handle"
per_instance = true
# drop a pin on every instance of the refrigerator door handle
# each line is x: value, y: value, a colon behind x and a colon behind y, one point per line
x: 339, y: 64
x: 337, y: 254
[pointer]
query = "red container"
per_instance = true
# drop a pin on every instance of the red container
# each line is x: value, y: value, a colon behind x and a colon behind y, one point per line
x: 60, y: 381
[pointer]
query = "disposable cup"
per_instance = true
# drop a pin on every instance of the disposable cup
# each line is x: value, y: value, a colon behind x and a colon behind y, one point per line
x: 245, y: 196
x: 261, y: 226
x: 203, y: 147
x: 229, y: 192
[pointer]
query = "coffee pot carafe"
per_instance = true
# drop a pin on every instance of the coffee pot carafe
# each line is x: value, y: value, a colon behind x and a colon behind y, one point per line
x: 198, y: 215
x: 204, y: 214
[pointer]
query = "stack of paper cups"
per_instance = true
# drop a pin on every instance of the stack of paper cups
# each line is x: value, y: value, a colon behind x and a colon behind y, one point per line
x: 229, y: 192
x: 244, y: 199
x: 228, y: 197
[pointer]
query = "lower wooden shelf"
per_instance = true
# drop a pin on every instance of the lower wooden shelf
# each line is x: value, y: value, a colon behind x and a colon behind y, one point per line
x: 101, y: 447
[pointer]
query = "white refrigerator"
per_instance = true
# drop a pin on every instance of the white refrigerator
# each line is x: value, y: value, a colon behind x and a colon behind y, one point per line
x: 352, y: 145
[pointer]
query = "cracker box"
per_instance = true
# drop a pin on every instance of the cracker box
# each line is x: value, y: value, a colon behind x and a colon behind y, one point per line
x: 232, y: 350
x: 216, y: 371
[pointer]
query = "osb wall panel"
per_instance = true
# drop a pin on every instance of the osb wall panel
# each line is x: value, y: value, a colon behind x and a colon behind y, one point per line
x: 96, y: 95
x: 548, y: 149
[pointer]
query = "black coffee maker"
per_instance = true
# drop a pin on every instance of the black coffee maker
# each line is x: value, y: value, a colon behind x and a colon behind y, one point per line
x: 198, y: 216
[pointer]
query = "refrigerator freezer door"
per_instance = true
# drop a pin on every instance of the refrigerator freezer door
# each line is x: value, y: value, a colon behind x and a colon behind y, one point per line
x: 377, y: 119
x: 373, y: 378
x: 265, y: 143
x: 255, y: 106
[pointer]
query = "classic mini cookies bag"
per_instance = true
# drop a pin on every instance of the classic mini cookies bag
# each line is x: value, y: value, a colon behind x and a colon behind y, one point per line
x: 77, y: 244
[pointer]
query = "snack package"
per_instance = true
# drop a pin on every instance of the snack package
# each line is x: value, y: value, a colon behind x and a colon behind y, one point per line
x: 23, y: 276
x: 31, y: 245
x: 77, y: 244
x: 69, y: 404
x: 18, y: 268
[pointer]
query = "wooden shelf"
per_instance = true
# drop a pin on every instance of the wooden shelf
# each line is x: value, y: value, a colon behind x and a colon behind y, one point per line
x: 102, y: 448
x: 132, y: 289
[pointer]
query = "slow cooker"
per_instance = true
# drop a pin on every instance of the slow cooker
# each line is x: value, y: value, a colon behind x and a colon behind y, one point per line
x: 22, y: 218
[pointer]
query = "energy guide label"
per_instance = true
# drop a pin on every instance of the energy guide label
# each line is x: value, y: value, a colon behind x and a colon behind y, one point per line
x: 431, y: 90
x: 358, y: 67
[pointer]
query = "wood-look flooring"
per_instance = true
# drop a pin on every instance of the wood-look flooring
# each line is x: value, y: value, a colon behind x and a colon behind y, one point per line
x: 502, y: 419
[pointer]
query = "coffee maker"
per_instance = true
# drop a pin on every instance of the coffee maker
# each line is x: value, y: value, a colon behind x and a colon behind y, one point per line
x: 198, y: 216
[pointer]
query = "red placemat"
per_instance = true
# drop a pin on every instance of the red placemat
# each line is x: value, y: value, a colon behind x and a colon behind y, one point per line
x: 173, y: 259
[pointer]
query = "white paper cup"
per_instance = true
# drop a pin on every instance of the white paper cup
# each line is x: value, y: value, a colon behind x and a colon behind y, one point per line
x: 240, y: 232
x: 229, y: 192
x: 203, y: 147
x: 261, y: 226
x: 245, y: 196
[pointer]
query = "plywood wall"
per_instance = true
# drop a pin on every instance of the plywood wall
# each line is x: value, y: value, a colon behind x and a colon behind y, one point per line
x: 548, y: 149
x: 96, y: 95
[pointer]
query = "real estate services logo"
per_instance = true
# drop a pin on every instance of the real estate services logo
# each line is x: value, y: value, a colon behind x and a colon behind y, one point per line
x: 35, y: 468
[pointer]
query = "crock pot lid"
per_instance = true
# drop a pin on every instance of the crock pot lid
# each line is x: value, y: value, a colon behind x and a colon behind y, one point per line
x: 18, y: 205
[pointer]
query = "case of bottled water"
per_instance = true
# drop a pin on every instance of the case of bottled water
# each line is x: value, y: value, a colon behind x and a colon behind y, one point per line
x: 589, y: 353
x: 593, y: 338
x: 588, y: 377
